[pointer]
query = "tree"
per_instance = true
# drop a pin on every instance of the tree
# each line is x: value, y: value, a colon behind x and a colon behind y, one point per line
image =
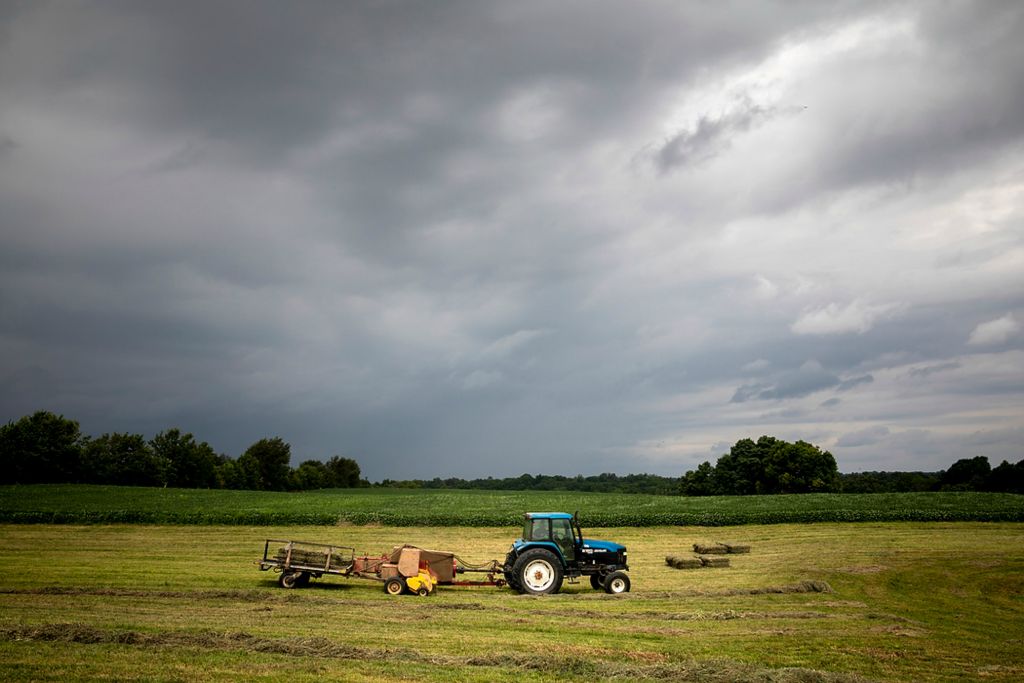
x: 1006, y: 478
x: 39, y: 448
x: 122, y: 460
x: 230, y: 475
x: 344, y: 472
x: 800, y: 468
x: 187, y: 464
x: 768, y: 466
x: 266, y: 464
x: 966, y: 474
x: 698, y: 482
x: 742, y: 470
x: 311, y: 474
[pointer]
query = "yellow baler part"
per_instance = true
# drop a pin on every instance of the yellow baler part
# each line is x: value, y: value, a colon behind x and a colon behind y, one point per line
x: 421, y: 580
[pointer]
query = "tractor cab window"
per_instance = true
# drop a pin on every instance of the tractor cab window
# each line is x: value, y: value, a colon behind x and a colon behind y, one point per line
x: 537, y: 530
x: 561, y: 534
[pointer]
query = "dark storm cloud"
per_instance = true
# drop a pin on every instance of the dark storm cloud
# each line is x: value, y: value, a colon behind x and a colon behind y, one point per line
x: 416, y: 233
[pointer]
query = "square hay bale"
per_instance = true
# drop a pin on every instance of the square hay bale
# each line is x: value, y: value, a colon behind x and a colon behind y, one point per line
x: 310, y: 558
x: 709, y: 549
x: 714, y: 561
x: 678, y: 562
x: 736, y: 549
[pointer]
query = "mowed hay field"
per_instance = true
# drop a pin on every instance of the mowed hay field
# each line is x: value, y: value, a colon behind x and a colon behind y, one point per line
x: 908, y: 602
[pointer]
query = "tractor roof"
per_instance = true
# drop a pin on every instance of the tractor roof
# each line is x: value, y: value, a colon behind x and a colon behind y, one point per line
x: 548, y: 515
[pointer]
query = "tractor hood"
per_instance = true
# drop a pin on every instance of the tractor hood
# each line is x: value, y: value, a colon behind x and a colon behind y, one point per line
x: 607, y: 546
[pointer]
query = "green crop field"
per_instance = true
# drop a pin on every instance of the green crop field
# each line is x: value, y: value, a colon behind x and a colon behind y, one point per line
x: 412, y: 507
x: 904, y: 601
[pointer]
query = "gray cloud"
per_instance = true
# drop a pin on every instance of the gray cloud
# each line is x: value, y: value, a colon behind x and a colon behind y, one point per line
x: 863, y: 437
x: 928, y: 370
x: 854, y: 382
x: 419, y: 235
x: 711, y: 135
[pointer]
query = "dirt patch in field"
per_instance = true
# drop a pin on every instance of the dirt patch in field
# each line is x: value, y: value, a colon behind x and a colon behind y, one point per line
x: 717, y: 671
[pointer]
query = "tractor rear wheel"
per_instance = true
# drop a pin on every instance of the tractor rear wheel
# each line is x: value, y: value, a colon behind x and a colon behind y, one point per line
x: 617, y: 582
x: 513, y: 583
x: 538, y: 571
x: 394, y: 586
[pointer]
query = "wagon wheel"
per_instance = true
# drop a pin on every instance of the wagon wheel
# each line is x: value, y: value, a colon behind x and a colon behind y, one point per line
x: 289, y: 579
x: 422, y: 592
x: 394, y: 586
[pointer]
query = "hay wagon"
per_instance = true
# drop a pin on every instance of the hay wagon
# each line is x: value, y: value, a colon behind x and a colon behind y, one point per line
x: 300, y: 561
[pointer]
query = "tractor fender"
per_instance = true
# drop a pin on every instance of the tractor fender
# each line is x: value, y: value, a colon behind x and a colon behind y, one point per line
x: 519, y: 547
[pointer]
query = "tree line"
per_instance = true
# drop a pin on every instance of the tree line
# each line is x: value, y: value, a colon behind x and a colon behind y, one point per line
x: 48, y: 448
x: 772, y: 465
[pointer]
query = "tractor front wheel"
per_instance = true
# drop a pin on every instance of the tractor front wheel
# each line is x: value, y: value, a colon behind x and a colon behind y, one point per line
x: 538, y: 571
x: 596, y: 581
x: 617, y: 582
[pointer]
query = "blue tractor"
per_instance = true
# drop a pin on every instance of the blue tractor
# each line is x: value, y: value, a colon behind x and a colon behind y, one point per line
x: 553, y: 549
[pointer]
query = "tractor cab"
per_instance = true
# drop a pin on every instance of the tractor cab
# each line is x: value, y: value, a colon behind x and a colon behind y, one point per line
x: 557, y: 528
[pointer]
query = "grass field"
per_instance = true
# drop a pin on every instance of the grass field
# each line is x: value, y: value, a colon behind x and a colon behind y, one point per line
x: 405, y: 507
x: 908, y: 602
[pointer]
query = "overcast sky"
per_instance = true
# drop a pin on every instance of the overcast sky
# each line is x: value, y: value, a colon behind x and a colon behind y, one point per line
x: 488, y: 238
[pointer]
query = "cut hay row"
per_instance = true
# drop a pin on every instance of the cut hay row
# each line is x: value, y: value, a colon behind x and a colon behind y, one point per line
x: 553, y: 666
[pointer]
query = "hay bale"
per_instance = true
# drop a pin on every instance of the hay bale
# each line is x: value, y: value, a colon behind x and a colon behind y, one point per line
x: 736, y: 549
x: 714, y: 561
x: 678, y: 562
x: 709, y: 549
x: 310, y: 558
